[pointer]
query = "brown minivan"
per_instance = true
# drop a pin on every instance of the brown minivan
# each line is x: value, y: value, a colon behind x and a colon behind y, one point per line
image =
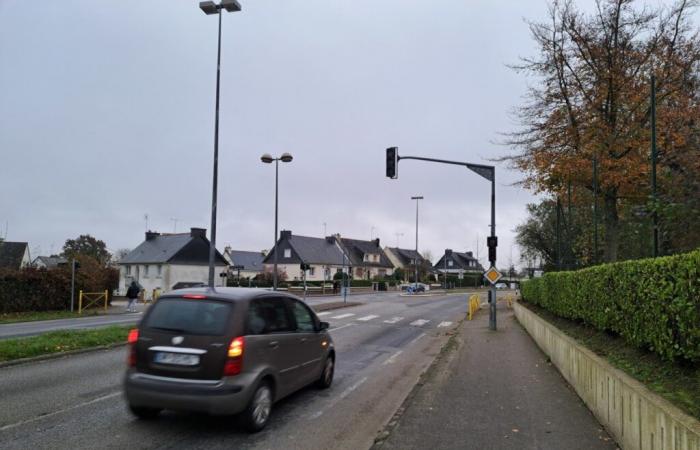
x: 225, y: 351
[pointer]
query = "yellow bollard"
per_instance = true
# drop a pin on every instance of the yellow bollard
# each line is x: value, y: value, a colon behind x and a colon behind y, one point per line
x: 80, y: 302
x: 106, y: 293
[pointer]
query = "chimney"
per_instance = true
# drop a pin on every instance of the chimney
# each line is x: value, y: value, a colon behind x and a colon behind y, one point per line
x: 198, y: 232
x: 330, y: 239
x: 286, y: 234
x: 376, y: 242
x: 448, y: 252
x: 470, y: 254
x: 151, y: 235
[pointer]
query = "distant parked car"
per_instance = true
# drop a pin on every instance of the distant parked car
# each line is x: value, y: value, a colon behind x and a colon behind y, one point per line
x: 187, y: 284
x: 501, y: 286
x: 225, y: 351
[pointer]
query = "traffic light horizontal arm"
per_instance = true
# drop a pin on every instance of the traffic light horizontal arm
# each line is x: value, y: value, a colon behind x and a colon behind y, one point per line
x: 481, y: 169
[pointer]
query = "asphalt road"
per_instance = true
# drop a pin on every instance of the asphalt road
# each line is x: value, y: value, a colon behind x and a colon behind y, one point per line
x: 382, y: 348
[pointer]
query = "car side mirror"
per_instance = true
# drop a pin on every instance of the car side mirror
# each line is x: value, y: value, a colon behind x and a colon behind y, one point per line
x: 323, y: 326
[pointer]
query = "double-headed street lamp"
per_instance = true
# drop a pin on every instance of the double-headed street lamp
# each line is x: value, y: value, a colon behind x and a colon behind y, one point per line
x: 268, y: 159
x: 210, y: 8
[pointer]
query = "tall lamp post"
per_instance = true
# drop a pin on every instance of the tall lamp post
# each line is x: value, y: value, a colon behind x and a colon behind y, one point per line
x: 417, y: 198
x: 268, y: 159
x: 210, y: 8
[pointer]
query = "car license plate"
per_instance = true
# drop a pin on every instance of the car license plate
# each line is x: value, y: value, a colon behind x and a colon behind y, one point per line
x: 178, y: 359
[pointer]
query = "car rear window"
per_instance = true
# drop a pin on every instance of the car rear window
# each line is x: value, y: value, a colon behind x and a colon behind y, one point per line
x: 204, y: 317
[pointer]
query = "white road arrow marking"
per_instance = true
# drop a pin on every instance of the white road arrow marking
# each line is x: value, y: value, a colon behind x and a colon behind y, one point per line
x: 419, y: 322
x: 321, y: 314
x: 444, y: 324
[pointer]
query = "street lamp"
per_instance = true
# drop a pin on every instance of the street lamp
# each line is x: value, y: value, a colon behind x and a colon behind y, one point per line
x: 210, y: 8
x: 268, y: 159
x: 415, y: 259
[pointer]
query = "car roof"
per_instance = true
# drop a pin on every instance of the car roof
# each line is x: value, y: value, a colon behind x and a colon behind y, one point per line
x: 233, y: 294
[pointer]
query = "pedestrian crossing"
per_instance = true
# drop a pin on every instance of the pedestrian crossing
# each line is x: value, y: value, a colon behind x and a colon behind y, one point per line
x: 374, y: 318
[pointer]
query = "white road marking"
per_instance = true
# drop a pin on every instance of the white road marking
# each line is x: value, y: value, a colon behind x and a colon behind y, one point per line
x: 366, y: 318
x: 321, y: 314
x: 419, y: 322
x: 340, y: 328
x: 416, y: 339
x: 394, y: 320
x: 444, y: 324
x: 344, y: 394
x: 343, y: 316
x: 392, y: 358
x: 70, y: 408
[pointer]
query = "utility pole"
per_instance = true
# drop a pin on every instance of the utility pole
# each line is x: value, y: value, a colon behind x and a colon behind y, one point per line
x: 595, y: 209
x: 558, y: 233
x: 654, y: 156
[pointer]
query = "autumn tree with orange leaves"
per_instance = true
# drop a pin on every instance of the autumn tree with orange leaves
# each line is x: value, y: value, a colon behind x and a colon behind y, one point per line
x: 591, y: 101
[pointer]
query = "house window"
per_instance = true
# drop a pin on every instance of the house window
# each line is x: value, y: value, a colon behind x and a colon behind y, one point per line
x: 312, y: 271
x: 159, y: 273
x: 287, y: 252
x: 145, y: 271
x: 127, y: 270
x: 450, y: 263
x: 138, y: 272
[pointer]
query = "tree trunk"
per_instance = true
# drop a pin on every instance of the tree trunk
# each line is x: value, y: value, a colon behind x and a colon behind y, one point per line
x: 612, y: 226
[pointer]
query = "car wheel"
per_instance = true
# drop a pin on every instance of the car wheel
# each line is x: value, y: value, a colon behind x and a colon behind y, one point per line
x: 327, y: 375
x: 145, y: 413
x: 257, y: 413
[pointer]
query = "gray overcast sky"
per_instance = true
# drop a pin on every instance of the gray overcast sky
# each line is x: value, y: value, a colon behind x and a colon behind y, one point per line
x: 107, y: 108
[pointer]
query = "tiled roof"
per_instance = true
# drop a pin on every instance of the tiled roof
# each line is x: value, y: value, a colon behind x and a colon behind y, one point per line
x: 11, y: 254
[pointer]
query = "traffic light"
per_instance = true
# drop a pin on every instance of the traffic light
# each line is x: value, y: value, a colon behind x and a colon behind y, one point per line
x: 392, y: 162
x: 492, y: 243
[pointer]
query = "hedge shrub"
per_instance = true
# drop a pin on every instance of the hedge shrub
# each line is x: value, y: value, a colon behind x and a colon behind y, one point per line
x: 48, y: 290
x: 651, y: 303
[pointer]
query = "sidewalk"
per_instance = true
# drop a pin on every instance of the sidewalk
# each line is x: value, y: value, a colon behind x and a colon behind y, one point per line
x: 495, y: 390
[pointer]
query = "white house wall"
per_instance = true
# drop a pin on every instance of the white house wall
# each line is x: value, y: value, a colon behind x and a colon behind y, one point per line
x: 170, y: 275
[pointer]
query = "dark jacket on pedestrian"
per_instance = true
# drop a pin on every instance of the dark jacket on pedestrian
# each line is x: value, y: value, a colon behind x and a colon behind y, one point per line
x: 133, y: 291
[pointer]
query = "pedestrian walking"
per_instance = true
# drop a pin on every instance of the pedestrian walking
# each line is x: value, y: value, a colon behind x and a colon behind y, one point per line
x: 132, y: 294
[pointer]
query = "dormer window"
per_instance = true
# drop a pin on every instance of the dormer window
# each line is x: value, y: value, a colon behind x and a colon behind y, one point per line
x: 450, y: 263
x: 287, y: 252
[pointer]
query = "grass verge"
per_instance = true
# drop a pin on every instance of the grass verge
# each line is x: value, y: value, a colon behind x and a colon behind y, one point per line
x: 677, y: 383
x: 32, y: 316
x: 61, y: 342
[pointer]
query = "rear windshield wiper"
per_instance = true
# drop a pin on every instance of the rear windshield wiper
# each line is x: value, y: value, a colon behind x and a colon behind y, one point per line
x: 175, y: 330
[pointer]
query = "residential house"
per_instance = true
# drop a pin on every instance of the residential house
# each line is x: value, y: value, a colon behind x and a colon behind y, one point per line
x: 244, y: 264
x: 403, y: 258
x: 367, y: 258
x: 164, y: 260
x: 14, y: 255
x: 323, y: 255
x: 49, y: 262
x: 458, y: 263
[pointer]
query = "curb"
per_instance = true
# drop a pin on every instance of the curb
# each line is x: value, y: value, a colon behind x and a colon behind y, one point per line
x: 16, y: 362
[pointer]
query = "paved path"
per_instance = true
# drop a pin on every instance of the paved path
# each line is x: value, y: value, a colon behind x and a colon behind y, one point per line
x: 496, y: 390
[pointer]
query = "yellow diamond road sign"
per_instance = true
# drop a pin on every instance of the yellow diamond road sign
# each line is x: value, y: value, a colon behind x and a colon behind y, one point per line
x: 492, y: 275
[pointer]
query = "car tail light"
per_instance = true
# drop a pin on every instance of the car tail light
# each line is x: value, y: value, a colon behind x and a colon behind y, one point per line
x: 131, y: 341
x: 194, y: 297
x: 234, y: 360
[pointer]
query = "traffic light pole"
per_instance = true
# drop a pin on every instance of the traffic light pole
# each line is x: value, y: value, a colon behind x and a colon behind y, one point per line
x: 488, y: 172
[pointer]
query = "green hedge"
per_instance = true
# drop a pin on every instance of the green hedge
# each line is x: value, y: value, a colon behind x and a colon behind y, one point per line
x: 47, y: 290
x: 651, y: 303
